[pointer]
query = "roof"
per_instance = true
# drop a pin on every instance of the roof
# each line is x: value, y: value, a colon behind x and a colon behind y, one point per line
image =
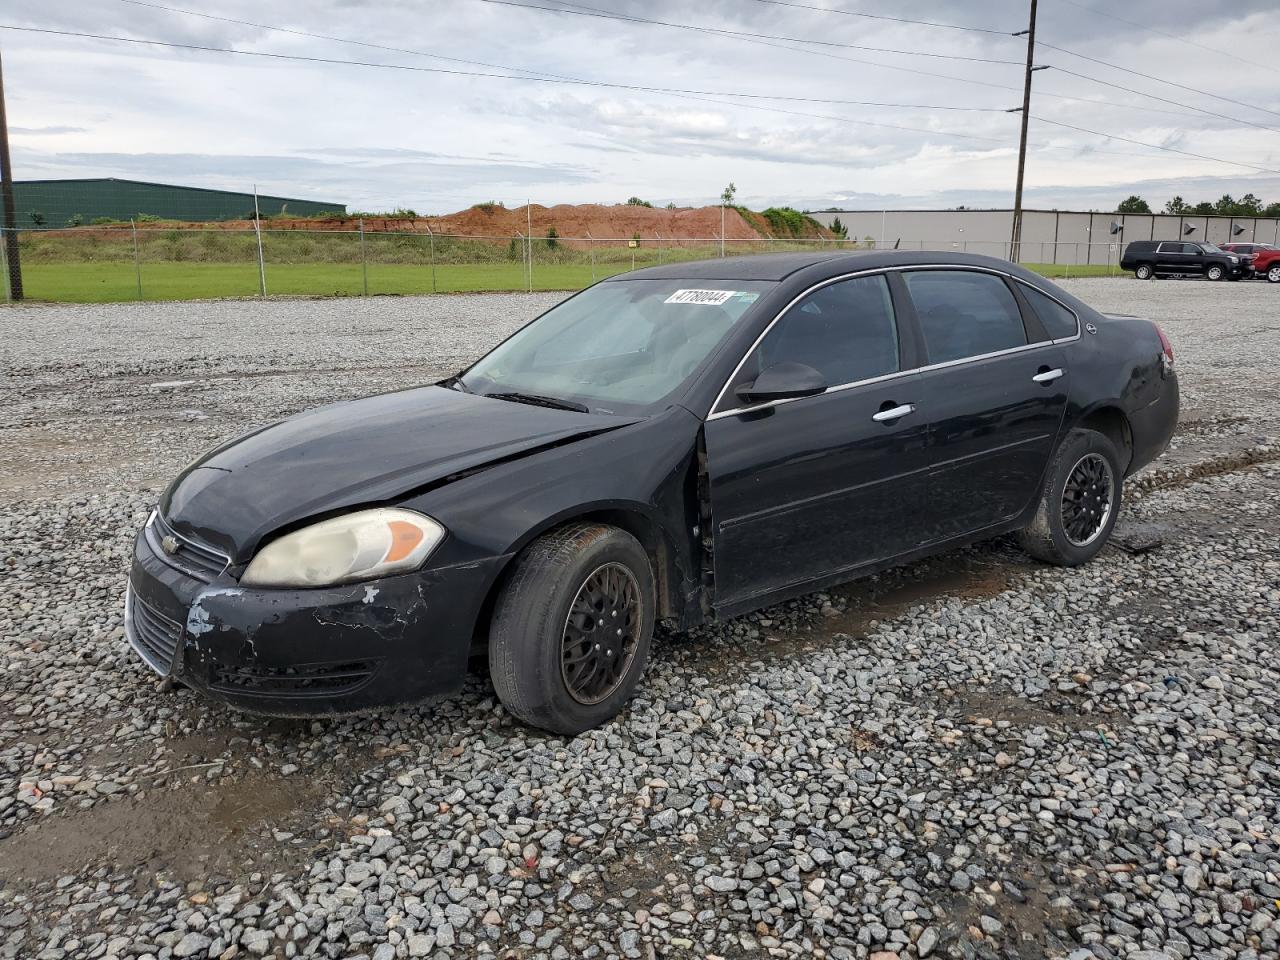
x: 779, y: 266
x: 152, y: 183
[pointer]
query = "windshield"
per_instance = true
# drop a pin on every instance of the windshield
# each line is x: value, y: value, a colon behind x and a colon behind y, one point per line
x: 618, y: 347
x: 1211, y: 248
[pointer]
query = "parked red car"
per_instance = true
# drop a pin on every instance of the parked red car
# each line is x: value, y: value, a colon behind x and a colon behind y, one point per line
x: 1262, y: 258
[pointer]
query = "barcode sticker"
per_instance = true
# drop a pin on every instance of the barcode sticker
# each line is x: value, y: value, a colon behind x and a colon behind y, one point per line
x: 711, y: 298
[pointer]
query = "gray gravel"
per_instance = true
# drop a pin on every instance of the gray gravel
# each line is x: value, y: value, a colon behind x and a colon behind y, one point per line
x: 971, y: 757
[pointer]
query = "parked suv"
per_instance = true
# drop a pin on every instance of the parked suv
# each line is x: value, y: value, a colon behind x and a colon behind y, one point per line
x: 1180, y: 258
x: 1260, y: 259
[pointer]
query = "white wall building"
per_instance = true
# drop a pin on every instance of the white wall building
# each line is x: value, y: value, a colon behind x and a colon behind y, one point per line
x: 1048, y: 236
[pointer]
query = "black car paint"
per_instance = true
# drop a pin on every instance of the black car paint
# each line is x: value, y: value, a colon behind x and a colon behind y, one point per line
x: 498, y: 474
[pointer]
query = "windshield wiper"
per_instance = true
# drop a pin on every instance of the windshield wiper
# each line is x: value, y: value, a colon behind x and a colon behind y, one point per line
x: 541, y: 401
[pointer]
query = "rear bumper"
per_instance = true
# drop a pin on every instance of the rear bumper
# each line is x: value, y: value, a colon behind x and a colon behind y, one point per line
x: 306, y: 652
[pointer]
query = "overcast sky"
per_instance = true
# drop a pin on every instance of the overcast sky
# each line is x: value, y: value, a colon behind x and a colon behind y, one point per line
x: 378, y: 138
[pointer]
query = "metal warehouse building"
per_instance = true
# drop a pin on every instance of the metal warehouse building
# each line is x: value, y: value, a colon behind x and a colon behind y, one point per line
x: 1048, y: 236
x: 59, y: 203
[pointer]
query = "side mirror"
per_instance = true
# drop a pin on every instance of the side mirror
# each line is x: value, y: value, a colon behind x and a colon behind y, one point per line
x: 783, y: 381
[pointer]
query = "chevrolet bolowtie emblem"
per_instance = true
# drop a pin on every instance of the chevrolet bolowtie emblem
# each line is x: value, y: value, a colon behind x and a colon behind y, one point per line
x: 169, y: 544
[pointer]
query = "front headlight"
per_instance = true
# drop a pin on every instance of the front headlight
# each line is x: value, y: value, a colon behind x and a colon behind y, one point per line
x: 1235, y: 259
x: 358, y: 546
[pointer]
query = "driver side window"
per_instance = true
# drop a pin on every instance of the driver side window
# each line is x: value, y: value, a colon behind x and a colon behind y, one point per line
x: 846, y: 331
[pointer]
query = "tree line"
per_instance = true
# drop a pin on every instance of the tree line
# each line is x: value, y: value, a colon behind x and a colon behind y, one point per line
x: 1225, y: 206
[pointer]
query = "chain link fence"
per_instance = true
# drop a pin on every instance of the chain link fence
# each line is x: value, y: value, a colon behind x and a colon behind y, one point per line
x: 138, y: 261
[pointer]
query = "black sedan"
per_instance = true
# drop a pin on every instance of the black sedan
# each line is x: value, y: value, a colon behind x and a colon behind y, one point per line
x: 679, y: 444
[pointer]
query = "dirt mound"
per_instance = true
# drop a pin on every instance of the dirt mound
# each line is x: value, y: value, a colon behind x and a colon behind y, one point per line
x: 620, y: 222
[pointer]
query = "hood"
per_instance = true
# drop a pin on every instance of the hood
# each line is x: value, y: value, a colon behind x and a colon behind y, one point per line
x: 355, y: 453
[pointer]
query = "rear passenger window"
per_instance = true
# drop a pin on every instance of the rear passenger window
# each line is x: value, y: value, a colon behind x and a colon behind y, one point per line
x: 965, y: 314
x: 1057, y: 319
x: 846, y: 331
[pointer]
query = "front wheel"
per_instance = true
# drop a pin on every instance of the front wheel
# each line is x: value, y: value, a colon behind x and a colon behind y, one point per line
x: 1215, y: 272
x: 571, y: 630
x: 1080, y: 501
x: 1144, y: 271
x: 1273, y: 273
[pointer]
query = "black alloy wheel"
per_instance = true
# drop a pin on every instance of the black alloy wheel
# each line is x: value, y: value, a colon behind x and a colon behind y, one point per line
x: 572, y: 626
x: 1080, y: 500
x: 1144, y: 271
x: 601, y: 633
x: 1215, y: 272
x: 1086, y: 499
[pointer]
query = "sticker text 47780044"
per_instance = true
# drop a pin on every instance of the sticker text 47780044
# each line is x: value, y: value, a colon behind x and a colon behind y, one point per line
x: 712, y: 298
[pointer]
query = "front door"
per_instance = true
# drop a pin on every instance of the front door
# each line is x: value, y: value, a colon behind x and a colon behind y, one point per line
x: 995, y: 389
x: 811, y: 487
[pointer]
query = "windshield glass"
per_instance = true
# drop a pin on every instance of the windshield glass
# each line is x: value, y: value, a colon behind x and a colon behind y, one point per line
x: 1211, y: 248
x: 618, y: 347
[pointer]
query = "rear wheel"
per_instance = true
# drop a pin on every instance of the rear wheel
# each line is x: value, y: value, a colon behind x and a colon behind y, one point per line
x: 1273, y: 273
x: 1080, y: 501
x: 1215, y: 272
x: 1144, y: 271
x: 571, y: 630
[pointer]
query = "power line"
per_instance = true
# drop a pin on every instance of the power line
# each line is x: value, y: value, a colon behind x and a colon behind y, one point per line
x: 1147, y: 76
x: 322, y: 36
x: 759, y: 40
x: 702, y: 99
x: 1189, y: 107
x: 879, y: 16
x: 1154, y: 146
x: 581, y: 10
x: 1161, y: 33
x: 662, y: 90
x: 498, y: 76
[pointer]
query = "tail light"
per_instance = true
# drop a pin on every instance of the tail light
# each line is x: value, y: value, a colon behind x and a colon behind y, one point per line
x: 1166, y: 348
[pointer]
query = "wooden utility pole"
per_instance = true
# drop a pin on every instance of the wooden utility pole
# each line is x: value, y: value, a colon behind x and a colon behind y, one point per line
x: 1016, y: 239
x: 6, y: 187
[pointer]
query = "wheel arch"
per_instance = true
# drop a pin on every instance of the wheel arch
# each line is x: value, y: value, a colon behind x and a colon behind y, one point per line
x: 1108, y: 419
x: 636, y: 519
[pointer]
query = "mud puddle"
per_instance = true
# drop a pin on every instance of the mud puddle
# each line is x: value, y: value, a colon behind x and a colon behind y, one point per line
x: 195, y: 831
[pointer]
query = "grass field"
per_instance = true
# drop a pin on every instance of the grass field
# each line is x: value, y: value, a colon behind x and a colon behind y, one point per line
x: 106, y: 281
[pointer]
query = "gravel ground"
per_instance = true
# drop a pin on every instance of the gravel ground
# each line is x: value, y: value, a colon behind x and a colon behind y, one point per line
x: 974, y: 756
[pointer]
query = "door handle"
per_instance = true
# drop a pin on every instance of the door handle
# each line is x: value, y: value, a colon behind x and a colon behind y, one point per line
x: 1047, y: 376
x: 894, y: 413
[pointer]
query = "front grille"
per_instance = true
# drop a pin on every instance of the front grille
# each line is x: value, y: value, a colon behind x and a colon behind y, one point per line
x: 190, y: 556
x: 299, y: 680
x: 152, y: 634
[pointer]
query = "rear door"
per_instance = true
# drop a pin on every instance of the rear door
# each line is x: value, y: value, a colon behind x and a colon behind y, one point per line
x: 1171, y: 257
x: 806, y: 488
x: 995, y: 388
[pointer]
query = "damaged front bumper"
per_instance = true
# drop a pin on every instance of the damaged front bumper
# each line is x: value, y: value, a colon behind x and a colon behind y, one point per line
x: 305, y: 652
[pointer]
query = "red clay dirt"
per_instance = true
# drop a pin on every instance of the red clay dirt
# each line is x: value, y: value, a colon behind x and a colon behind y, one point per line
x: 618, y: 222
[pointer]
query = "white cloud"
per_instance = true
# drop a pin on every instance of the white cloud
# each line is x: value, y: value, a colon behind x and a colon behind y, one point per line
x: 379, y: 138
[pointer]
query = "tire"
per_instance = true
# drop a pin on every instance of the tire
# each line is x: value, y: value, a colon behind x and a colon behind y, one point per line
x: 1215, y: 272
x: 535, y: 634
x: 1144, y: 271
x: 1273, y: 273
x: 1050, y: 536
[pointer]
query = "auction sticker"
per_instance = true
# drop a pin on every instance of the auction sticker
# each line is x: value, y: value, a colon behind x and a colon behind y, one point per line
x: 711, y: 298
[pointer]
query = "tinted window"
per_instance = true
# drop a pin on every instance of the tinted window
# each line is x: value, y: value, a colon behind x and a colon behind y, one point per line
x: 1057, y: 319
x: 965, y: 314
x: 845, y: 331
